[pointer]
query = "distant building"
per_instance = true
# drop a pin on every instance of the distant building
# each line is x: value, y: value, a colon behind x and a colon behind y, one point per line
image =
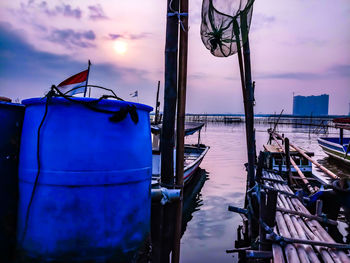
x: 311, y: 105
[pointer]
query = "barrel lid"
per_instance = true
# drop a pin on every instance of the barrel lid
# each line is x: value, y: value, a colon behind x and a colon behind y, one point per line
x: 104, y: 102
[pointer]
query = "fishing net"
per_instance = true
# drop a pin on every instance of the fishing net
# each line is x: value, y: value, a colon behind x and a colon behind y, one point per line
x: 225, y: 25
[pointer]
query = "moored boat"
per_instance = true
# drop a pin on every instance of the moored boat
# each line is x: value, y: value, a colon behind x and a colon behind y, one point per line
x: 193, y: 154
x: 276, y: 159
x: 337, y: 147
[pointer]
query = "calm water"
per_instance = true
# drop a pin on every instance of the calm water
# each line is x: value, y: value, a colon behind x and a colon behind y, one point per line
x: 211, y: 229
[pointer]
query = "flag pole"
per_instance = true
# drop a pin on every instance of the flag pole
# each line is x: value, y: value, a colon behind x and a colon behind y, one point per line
x: 87, y: 78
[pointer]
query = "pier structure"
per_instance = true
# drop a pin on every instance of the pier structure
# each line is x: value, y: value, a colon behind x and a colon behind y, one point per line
x: 277, y: 225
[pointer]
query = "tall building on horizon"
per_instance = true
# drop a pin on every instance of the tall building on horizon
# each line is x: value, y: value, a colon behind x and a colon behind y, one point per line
x: 311, y: 105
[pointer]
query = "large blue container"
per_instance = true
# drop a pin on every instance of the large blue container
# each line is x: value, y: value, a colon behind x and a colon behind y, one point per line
x: 92, y: 201
x: 11, y: 118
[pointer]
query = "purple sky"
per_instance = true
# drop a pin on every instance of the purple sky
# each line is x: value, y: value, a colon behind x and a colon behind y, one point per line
x: 296, y: 46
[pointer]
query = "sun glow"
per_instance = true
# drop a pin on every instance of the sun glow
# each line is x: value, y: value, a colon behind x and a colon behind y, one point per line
x: 120, y: 47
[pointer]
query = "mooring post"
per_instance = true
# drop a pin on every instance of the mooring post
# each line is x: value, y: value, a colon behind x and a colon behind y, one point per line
x: 249, y: 100
x: 156, y: 114
x: 180, y: 127
x: 167, y: 142
x: 289, y: 172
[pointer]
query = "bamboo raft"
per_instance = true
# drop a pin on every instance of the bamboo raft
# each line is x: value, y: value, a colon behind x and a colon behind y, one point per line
x: 277, y: 226
x: 294, y: 226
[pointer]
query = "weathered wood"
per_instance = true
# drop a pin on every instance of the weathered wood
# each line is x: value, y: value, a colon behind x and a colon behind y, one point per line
x: 249, y: 112
x: 180, y: 127
x: 170, y: 95
x: 318, y: 233
x: 315, y: 243
x: 156, y: 115
x: 300, y: 248
x: 309, y: 216
x: 327, y: 254
x: 167, y: 142
x: 277, y: 253
x: 287, y: 157
x: 319, y: 206
x: 290, y: 250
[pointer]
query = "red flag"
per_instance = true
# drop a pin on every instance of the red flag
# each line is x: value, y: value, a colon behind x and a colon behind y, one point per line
x: 77, y: 78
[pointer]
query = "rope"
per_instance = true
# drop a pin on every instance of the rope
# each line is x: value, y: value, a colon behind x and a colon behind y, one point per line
x: 48, y: 99
x: 117, y: 115
x: 178, y: 15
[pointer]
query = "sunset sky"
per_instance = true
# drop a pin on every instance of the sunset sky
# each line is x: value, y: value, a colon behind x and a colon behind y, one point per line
x: 296, y: 46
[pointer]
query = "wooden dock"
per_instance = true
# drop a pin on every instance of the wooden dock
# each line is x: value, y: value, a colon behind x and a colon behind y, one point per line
x: 298, y: 227
x: 278, y: 227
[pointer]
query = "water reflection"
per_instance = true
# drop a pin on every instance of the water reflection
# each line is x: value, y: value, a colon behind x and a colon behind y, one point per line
x: 193, y: 199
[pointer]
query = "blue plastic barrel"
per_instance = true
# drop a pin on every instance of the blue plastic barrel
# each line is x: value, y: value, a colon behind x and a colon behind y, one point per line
x: 11, y: 119
x: 92, y: 201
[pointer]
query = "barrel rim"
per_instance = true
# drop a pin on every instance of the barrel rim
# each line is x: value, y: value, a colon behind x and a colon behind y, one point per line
x: 5, y: 104
x: 103, y: 102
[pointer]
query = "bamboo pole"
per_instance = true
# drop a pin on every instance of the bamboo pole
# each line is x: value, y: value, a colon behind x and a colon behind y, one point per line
x: 180, y: 130
x: 167, y: 142
x: 309, y: 216
x: 170, y: 95
x: 156, y: 115
x: 324, y: 169
x: 249, y: 101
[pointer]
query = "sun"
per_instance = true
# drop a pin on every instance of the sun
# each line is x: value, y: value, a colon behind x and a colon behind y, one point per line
x: 120, y: 47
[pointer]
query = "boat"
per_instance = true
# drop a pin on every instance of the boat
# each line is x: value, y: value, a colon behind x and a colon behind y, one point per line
x: 337, y: 147
x: 276, y: 158
x: 193, y: 153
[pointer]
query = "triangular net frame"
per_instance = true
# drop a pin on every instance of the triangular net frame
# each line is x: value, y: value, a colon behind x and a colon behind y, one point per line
x: 225, y: 25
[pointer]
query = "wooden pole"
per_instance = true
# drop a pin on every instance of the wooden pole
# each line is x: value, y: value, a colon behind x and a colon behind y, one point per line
x: 180, y: 126
x: 249, y: 101
x: 170, y: 95
x: 156, y: 115
x: 289, y: 172
x: 167, y: 142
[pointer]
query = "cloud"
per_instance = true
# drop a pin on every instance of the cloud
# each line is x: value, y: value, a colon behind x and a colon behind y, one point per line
x: 68, y: 11
x: 70, y: 38
x: 340, y: 70
x: 129, y: 36
x: 115, y: 36
x: 63, y: 9
x: 289, y: 75
x: 96, y: 12
x: 260, y: 21
x: 27, y: 72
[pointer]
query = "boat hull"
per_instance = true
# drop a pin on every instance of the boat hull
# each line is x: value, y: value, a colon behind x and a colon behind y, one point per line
x: 334, y: 149
x: 194, y: 156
